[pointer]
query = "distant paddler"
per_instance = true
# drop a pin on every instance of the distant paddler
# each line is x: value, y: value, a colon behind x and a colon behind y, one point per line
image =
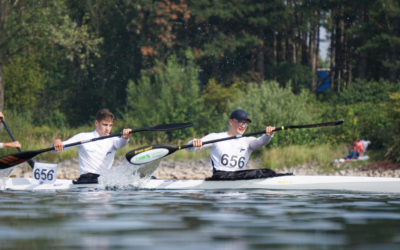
x: 229, y: 158
x: 14, y: 144
x: 97, y: 156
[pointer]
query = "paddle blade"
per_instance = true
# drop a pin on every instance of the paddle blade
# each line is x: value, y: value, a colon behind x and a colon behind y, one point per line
x: 12, y: 160
x: 148, y: 154
x: 167, y: 127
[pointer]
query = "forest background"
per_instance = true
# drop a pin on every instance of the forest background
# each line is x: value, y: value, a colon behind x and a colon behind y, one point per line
x: 170, y: 61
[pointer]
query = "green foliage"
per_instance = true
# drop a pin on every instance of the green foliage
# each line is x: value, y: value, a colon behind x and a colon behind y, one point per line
x: 299, y: 75
x: 386, y: 38
x: 368, y: 121
x: 172, y: 96
x: 56, y: 119
x: 367, y: 109
x: 55, y: 42
x: 295, y: 155
x: 84, y: 55
x: 364, y: 91
x: 393, y: 146
x: 41, y: 24
x: 24, y: 81
x: 31, y: 137
x: 271, y: 105
x: 323, y: 64
x: 216, y: 96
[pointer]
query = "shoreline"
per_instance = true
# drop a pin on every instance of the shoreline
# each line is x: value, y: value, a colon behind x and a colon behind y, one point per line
x: 200, y: 169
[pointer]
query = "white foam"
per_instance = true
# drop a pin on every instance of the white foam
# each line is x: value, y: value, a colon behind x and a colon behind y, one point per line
x: 4, y: 175
x: 127, y: 176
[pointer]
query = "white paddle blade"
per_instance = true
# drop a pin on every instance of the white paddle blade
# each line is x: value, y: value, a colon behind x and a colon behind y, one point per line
x: 149, y: 156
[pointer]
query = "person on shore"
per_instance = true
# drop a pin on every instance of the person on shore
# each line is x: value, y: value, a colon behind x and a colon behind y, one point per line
x: 14, y: 144
x: 357, y: 151
x: 229, y: 158
x: 97, y: 156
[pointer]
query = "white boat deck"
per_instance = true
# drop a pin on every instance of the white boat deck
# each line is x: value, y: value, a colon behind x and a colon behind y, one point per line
x: 344, y: 183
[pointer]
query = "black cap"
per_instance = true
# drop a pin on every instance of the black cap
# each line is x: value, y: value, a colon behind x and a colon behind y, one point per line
x: 239, y: 115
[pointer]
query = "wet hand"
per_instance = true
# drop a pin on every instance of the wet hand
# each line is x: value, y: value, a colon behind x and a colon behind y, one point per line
x: 269, y: 131
x: 126, y: 133
x: 198, y: 143
x: 58, y: 146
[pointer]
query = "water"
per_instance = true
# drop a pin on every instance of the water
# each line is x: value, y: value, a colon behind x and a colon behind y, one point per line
x: 129, y: 219
x: 121, y: 216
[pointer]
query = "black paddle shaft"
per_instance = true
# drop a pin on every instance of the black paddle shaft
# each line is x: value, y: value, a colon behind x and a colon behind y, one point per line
x: 18, y: 158
x: 30, y: 162
x: 318, y: 125
x: 141, y: 156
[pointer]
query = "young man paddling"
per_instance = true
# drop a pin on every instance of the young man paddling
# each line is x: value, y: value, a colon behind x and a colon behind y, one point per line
x: 14, y: 144
x: 97, y: 156
x: 229, y: 158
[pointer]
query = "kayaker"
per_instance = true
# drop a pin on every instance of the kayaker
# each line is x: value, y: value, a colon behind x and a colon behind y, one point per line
x: 229, y: 158
x: 14, y: 144
x: 97, y: 156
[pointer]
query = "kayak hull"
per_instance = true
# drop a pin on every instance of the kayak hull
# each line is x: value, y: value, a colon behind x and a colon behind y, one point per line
x: 344, y: 183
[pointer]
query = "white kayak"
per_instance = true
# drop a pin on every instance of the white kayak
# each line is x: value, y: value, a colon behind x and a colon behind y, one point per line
x: 337, y: 183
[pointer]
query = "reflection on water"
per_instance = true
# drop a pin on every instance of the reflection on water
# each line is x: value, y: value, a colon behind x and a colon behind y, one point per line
x: 125, y: 219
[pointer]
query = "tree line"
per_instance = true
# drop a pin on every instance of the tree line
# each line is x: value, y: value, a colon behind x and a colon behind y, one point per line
x: 65, y: 59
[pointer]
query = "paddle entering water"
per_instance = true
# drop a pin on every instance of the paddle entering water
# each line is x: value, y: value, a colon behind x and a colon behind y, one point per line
x: 12, y: 160
x: 31, y: 162
x: 148, y: 154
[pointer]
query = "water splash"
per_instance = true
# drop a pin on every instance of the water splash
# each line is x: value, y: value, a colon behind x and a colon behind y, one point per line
x: 4, y: 175
x: 127, y: 176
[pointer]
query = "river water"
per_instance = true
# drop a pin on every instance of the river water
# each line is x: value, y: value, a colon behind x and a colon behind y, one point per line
x: 138, y: 219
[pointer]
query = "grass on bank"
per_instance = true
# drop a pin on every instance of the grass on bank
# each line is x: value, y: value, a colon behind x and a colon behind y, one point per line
x: 294, y: 155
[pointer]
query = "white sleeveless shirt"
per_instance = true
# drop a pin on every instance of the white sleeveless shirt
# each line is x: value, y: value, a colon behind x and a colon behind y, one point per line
x: 231, y: 155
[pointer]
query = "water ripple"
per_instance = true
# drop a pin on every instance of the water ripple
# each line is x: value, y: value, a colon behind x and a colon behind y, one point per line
x: 128, y: 218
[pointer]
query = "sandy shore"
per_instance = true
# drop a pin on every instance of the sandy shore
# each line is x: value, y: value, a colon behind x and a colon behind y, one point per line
x: 192, y: 170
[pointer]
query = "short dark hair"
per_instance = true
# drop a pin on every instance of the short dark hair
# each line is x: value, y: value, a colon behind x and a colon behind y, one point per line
x: 104, y: 114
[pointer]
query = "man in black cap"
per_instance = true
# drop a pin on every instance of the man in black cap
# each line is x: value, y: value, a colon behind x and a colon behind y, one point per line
x: 229, y: 158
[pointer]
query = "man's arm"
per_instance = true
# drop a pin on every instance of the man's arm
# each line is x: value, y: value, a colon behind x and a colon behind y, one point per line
x: 14, y: 144
x: 198, y: 143
x: 263, y: 140
x: 58, y: 144
x: 123, y: 141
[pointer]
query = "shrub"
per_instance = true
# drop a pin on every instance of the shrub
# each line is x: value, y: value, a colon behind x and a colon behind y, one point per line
x: 364, y: 91
x: 24, y: 80
x: 299, y: 74
x: 271, y: 105
x: 393, y: 144
x: 172, y: 95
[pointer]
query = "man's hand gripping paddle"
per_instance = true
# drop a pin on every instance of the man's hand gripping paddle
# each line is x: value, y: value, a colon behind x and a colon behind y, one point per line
x: 148, y: 154
x: 12, y: 160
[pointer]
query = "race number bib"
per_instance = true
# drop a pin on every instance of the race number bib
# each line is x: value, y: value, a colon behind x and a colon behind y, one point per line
x: 233, y: 161
x: 44, y: 173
